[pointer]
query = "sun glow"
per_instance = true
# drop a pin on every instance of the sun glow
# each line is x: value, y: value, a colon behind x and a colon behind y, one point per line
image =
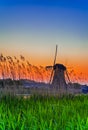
x: 20, y: 68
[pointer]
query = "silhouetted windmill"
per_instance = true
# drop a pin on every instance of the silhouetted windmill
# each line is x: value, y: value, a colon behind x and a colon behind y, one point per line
x: 57, y: 78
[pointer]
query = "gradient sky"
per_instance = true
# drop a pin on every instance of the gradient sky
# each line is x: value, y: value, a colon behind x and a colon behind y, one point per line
x: 33, y: 28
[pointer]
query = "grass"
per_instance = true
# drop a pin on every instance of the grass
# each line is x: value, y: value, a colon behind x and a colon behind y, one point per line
x: 44, y: 113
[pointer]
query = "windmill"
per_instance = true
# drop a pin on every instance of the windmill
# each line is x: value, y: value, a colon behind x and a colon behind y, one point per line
x: 58, y: 73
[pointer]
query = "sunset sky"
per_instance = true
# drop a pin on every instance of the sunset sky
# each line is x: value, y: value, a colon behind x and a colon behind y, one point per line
x: 33, y: 28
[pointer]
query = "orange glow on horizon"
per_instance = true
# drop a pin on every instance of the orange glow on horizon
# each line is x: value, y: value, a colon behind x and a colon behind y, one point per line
x: 20, y: 68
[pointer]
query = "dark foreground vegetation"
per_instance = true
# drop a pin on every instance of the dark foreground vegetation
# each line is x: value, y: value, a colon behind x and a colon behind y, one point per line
x: 44, y: 113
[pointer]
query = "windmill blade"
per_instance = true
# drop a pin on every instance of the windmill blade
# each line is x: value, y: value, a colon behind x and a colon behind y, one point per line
x: 55, y: 55
x: 49, y: 67
x: 68, y: 76
x: 51, y: 76
x: 53, y: 64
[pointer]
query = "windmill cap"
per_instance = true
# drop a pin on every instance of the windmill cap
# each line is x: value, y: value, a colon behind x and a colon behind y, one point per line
x: 60, y: 66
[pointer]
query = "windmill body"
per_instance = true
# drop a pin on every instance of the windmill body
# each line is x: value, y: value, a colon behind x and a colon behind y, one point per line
x: 58, y: 81
x: 58, y: 73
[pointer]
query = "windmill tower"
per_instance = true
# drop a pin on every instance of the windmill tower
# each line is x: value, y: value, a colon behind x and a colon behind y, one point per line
x: 58, y: 81
x: 57, y: 78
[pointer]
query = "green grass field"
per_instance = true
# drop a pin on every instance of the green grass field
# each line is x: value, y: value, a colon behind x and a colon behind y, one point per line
x: 44, y: 113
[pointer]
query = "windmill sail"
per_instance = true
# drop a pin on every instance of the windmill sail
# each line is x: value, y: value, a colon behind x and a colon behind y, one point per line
x: 53, y: 64
x: 68, y: 76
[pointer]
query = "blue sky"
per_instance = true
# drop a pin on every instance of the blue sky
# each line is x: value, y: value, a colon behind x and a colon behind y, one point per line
x: 33, y: 27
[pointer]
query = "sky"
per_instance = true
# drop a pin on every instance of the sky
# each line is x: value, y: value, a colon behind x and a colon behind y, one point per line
x: 34, y: 27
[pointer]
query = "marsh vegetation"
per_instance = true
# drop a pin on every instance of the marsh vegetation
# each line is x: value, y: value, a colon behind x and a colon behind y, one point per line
x: 44, y: 113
